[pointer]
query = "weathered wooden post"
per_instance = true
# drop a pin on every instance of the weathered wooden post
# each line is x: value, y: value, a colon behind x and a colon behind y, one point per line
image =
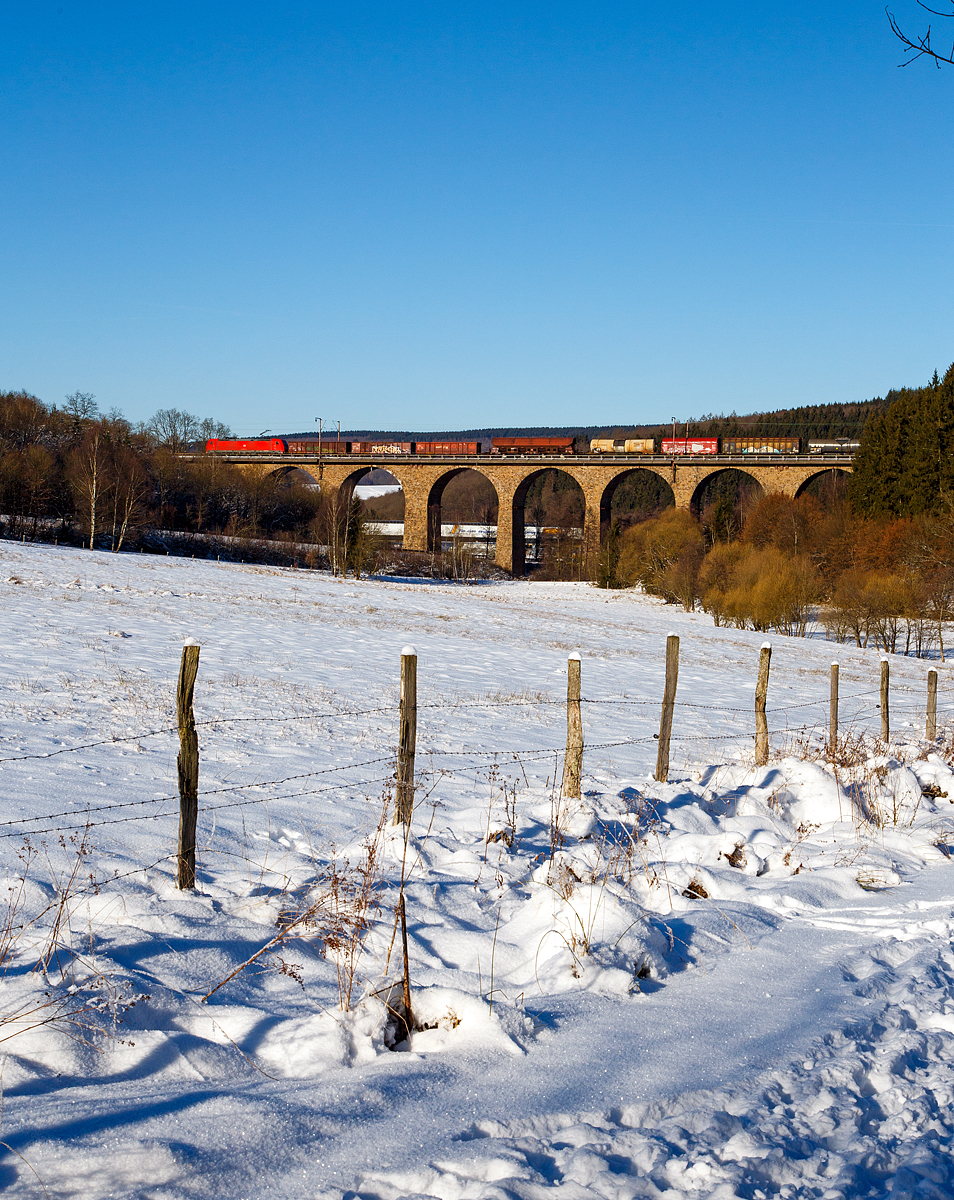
x: 188, y: 765
x: 885, y: 718
x: 407, y: 738
x: 669, y: 701
x: 833, y: 712
x: 930, y: 728
x: 406, y: 989
x: 573, y: 761
x: 761, y: 693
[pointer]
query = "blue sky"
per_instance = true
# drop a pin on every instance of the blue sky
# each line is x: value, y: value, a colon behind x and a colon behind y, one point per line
x: 437, y: 216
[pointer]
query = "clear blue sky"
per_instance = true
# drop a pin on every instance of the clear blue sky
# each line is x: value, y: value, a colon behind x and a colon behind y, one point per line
x: 456, y: 215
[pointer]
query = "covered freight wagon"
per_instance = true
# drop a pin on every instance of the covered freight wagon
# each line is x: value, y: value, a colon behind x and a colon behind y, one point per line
x: 529, y: 445
x: 621, y: 446
x: 325, y: 446
x: 761, y: 445
x: 452, y: 448
x: 690, y: 446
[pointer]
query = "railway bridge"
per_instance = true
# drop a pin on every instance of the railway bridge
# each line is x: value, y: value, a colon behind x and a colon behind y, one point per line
x: 424, y: 479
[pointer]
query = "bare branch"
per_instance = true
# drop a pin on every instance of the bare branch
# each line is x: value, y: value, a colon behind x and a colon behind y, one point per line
x: 922, y: 44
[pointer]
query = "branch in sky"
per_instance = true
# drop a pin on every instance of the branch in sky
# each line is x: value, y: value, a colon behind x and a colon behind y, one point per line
x: 921, y: 45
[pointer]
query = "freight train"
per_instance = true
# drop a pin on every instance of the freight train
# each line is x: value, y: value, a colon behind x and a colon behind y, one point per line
x: 529, y: 446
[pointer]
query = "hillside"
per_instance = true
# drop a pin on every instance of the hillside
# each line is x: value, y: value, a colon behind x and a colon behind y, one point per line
x: 808, y: 421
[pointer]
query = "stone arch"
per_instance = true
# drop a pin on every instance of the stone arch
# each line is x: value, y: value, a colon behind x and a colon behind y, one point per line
x: 704, y: 483
x: 609, y: 491
x: 435, y: 496
x: 518, y: 503
x: 836, y: 473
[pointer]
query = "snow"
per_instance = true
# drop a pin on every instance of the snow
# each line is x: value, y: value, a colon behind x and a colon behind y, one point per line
x: 739, y: 982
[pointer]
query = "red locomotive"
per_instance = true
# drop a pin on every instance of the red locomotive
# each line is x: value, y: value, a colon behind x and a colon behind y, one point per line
x: 240, y: 446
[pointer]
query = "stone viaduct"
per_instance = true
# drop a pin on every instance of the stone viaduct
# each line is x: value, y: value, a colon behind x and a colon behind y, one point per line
x: 424, y: 480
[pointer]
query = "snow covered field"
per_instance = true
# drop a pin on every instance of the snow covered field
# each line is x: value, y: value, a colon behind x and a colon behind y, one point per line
x: 737, y: 983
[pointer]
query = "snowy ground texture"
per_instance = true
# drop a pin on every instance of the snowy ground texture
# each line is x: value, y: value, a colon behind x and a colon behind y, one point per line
x: 739, y: 983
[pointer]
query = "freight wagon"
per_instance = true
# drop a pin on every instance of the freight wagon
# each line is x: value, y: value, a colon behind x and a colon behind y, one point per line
x: 834, y: 446
x: 452, y: 448
x: 690, y: 446
x: 761, y: 445
x: 622, y: 446
x: 528, y: 445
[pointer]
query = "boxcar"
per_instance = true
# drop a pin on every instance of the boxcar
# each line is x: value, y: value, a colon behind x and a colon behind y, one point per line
x: 761, y: 445
x: 388, y: 447
x: 453, y: 448
x: 522, y: 445
x: 327, y: 446
x: 690, y: 446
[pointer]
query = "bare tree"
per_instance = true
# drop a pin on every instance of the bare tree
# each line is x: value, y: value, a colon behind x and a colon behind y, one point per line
x: 88, y: 471
x: 81, y: 406
x: 174, y: 429
x: 921, y: 43
x: 129, y: 493
x: 210, y: 428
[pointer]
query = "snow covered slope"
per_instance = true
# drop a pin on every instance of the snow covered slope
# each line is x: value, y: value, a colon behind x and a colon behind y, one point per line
x: 739, y: 982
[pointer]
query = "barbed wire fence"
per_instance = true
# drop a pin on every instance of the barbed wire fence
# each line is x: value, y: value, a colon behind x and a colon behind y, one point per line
x: 737, y: 727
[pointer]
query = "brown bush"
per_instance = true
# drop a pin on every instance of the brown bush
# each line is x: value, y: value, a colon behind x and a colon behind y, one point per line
x: 664, y: 556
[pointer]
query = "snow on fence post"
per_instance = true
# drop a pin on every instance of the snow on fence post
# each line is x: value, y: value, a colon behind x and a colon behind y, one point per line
x: 930, y: 729
x: 833, y: 712
x: 573, y: 760
x: 761, y: 693
x: 407, y: 738
x: 669, y: 700
x: 188, y: 766
x: 885, y: 720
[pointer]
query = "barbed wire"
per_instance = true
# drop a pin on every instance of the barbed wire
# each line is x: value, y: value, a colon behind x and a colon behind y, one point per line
x: 392, y: 712
x: 334, y: 787
x: 208, y: 792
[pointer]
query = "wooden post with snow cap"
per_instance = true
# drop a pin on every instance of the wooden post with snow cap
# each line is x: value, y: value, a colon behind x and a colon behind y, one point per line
x: 761, y: 694
x: 188, y: 766
x: 833, y: 712
x: 669, y: 701
x: 573, y: 761
x: 407, y: 738
x: 930, y: 726
x: 885, y: 716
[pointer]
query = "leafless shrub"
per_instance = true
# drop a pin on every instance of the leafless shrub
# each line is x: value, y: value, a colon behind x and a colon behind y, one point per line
x: 335, y: 910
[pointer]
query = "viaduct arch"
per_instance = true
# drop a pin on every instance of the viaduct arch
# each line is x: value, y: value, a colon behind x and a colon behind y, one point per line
x: 424, y: 481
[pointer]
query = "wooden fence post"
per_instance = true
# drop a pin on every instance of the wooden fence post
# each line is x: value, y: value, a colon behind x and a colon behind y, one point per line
x: 406, y: 982
x: 407, y: 742
x: 833, y: 712
x: 669, y: 701
x: 573, y: 761
x: 188, y: 765
x: 930, y: 729
x: 761, y: 693
x: 885, y: 720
